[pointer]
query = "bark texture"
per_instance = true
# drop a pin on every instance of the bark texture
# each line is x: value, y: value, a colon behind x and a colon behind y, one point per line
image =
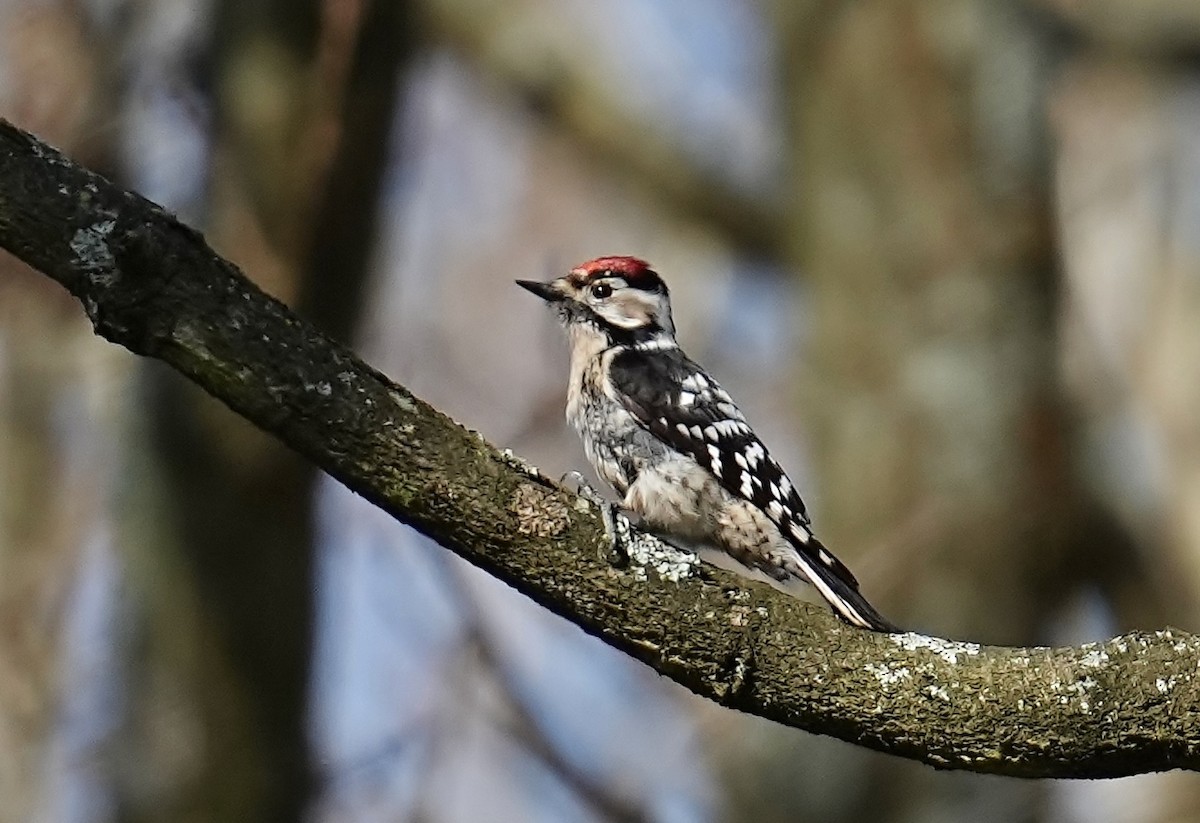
x: 152, y: 285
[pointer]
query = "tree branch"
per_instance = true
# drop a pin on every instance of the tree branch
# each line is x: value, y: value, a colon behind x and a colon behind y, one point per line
x: 151, y: 284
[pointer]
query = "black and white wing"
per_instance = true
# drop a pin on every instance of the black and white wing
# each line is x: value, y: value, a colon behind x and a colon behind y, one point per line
x: 677, y: 402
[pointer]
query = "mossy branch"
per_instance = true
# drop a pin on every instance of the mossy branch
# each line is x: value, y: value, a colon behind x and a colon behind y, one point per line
x: 151, y: 284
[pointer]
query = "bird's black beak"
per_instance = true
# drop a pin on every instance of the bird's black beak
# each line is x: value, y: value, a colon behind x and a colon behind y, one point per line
x: 547, y: 291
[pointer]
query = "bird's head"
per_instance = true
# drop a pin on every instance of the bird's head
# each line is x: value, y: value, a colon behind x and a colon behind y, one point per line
x: 621, y: 298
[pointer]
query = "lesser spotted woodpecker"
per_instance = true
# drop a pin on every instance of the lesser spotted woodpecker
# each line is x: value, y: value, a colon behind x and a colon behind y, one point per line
x: 672, y: 442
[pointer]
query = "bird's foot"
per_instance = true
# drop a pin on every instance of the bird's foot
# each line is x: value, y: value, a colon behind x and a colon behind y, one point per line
x: 617, y: 524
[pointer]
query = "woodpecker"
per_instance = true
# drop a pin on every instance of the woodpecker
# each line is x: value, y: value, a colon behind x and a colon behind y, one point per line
x: 673, y: 444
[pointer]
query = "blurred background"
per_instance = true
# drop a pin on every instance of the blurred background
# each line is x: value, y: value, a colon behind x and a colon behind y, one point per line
x: 945, y: 252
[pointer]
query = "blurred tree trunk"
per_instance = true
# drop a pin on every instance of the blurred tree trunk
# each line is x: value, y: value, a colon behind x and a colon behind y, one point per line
x: 1126, y: 135
x: 55, y: 416
x: 1127, y: 165
x: 921, y: 222
x: 53, y: 389
x: 305, y: 95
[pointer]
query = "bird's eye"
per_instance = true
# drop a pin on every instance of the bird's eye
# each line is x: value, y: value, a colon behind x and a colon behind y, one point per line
x: 601, y: 291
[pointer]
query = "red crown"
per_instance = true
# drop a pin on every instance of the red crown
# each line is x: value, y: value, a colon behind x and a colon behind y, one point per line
x: 637, y: 272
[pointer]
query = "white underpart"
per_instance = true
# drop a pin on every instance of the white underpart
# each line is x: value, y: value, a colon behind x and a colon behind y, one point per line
x: 794, y: 586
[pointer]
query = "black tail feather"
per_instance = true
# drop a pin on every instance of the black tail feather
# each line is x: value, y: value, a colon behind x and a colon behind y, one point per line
x: 838, y: 586
x: 854, y: 606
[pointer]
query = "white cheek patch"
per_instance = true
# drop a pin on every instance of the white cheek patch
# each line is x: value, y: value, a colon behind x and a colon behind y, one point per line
x: 626, y: 311
x: 621, y: 321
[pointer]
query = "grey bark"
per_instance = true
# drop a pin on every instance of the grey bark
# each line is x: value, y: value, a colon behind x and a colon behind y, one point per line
x: 151, y: 284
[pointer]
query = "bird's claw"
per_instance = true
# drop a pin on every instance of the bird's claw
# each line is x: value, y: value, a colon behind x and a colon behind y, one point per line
x: 575, y: 482
x: 616, y: 524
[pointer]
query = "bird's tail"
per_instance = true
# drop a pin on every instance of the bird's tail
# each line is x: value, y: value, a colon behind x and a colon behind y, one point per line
x: 838, y: 586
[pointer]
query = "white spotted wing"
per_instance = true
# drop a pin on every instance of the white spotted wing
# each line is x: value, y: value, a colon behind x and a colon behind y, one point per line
x: 672, y: 396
